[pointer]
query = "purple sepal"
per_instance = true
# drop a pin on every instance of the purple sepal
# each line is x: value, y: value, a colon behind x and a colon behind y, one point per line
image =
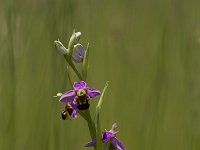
x: 77, y: 58
x: 92, y: 92
x: 91, y: 143
x: 117, y: 144
x: 68, y: 96
x: 107, y: 136
x: 78, y: 53
x: 79, y: 85
x: 81, y: 49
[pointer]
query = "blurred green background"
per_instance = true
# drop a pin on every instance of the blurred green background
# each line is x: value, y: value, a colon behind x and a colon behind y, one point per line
x: 148, y: 50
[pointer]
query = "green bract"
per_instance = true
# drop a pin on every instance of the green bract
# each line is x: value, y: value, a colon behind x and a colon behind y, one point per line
x: 73, y: 40
x: 60, y: 47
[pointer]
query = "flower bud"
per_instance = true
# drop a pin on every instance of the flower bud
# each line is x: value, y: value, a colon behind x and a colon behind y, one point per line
x: 78, y: 53
x: 77, y: 37
x: 73, y: 40
x: 60, y: 47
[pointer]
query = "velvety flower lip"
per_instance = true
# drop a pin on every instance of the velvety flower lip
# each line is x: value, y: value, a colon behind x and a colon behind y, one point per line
x: 70, y: 111
x: 109, y: 136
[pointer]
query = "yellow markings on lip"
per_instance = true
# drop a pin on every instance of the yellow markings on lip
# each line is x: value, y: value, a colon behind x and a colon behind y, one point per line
x: 81, y: 92
x: 68, y: 105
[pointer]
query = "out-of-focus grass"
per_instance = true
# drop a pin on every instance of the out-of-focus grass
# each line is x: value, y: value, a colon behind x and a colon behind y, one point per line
x: 148, y: 50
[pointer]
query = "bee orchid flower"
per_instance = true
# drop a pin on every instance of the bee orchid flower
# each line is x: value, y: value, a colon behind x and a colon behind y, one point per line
x: 81, y: 94
x: 109, y: 136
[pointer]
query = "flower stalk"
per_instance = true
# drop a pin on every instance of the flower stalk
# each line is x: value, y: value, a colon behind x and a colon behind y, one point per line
x: 73, y: 66
x: 91, y: 124
x: 77, y: 100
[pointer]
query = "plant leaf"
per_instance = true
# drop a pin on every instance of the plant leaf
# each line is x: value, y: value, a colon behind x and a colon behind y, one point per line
x: 101, y: 97
x: 86, y: 63
x: 99, y: 144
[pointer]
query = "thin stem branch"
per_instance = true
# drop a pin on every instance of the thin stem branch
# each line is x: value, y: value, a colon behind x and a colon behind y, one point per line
x: 68, y: 75
x: 73, y: 67
x: 91, y: 124
x: 76, y: 71
x: 82, y: 114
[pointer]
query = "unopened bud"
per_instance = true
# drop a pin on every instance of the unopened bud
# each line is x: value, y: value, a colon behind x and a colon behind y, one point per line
x: 73, y: 41
x: 77, y: 37
x: 78, y: 53
x: 60, y: 47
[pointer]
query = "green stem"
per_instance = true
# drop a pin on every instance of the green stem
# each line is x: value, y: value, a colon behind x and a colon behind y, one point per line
x: 85, y: 114
x: 73, y: 67
x: 76, y: 71
x: 98, y: 133
x: 91, y: 124
x: 82, y: 114
x: 107, y: 145
x: 68, y: 75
